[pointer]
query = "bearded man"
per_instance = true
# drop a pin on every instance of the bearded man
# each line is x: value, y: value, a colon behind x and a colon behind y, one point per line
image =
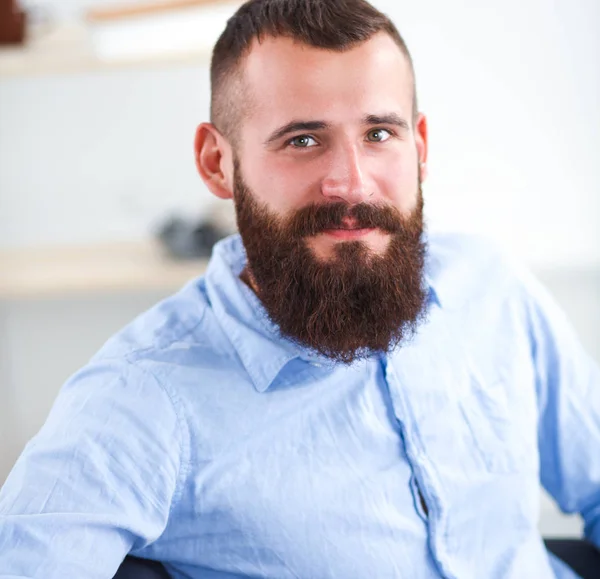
x: 340, y: 396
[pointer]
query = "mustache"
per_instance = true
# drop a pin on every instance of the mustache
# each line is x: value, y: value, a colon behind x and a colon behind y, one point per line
x: 316, y: 218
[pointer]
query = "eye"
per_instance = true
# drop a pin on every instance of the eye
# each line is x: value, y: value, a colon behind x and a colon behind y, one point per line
x: 302, y: 142
x: 378, y: 135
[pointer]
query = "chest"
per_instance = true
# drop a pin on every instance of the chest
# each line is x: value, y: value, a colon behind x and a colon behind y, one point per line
x: 334, y: 463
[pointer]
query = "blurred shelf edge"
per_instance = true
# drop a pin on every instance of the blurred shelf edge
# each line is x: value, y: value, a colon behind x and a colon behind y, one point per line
x: 104, y: 268
x: 155, y: 33
x: 68, y: 49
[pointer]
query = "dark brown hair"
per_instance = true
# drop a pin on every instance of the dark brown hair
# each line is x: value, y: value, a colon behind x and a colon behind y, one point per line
x: 337, y: 25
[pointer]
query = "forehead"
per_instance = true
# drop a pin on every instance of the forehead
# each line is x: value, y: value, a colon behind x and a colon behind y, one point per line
x: 287, y: 80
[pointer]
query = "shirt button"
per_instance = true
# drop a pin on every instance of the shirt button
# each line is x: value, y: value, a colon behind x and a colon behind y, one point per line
x: 316, y: 364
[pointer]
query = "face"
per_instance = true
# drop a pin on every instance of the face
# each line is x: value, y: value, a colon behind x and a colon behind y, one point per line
x: 326, y: 127
x: 326, y: 181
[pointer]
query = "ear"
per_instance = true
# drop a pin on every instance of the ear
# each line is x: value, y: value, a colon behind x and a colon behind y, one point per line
x: 214, y: 160
x: 422, y: 143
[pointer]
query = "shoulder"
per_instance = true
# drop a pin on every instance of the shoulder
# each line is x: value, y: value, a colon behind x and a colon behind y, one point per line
x: 178, y: 330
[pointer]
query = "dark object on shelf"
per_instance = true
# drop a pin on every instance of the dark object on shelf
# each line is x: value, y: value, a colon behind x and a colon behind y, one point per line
x: 184, y: 240
x: 12, y: 23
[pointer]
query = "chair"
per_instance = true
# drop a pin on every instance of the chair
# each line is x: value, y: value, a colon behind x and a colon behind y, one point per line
x: 134, y: 568
x: 580, y: 555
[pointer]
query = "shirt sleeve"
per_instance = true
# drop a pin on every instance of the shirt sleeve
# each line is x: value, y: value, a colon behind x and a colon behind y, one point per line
x: 568, y: 390
x: 96, y: 482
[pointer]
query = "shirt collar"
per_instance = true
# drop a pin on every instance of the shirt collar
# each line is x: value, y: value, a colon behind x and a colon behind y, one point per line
x: 260, y: 346
x: 431, y: 282
x: 243, y: 317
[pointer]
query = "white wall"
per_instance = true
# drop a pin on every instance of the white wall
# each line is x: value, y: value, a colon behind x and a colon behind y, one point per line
x: 100, y: 155
x: 511, y: 90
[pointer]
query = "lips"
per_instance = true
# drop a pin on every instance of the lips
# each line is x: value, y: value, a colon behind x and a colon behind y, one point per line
x: 345, y: 233
x: 348, y: 229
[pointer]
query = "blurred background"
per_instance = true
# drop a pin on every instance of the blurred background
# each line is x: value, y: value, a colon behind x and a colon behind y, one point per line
x: 98, y: 108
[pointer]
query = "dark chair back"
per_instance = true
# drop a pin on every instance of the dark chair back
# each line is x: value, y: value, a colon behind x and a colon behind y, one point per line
x: 133, y: 568
x: 581, y: 556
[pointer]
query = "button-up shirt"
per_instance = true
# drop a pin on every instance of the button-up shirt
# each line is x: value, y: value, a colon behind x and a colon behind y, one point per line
x: 200, y: 437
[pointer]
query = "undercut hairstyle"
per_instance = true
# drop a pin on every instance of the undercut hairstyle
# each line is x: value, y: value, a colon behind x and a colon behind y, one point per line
x: 336, y: 25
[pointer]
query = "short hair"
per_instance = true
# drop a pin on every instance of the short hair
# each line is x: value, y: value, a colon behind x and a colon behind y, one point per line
x: 336, y: 25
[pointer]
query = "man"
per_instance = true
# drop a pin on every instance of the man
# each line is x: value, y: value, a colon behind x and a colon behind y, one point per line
x: 340, y: 396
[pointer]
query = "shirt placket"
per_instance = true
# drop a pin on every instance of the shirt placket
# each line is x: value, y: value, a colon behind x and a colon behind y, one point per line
x: 423, y: 484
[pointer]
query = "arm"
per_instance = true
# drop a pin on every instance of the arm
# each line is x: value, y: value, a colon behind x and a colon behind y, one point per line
x: 96, y: 482
x: 568, y: 390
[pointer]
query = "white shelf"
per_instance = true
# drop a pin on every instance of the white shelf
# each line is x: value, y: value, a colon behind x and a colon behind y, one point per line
x: 68, y: 48
x: 39, y: 273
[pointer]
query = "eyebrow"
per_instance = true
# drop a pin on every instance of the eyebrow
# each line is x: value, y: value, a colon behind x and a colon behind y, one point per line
x: 295, y: 126
x: 387, y: 119
x: 371, y: 120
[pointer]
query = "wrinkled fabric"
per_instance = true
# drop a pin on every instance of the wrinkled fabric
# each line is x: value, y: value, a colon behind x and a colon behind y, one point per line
x: 199, y: 437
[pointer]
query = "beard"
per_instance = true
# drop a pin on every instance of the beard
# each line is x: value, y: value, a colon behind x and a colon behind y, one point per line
x: 353, y: 304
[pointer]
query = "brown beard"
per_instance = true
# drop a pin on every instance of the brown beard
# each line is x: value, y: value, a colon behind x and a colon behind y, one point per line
x: 351, y: 306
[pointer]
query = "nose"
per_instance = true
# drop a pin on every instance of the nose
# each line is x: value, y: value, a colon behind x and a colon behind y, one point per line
x: 345, y: 179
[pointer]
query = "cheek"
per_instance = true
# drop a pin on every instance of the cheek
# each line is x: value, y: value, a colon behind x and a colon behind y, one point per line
x: 397, y: 182
x: 284, y: 184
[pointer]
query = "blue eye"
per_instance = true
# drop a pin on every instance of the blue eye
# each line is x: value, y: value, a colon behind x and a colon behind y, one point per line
x: 380, y: 135
x: 302, y: 142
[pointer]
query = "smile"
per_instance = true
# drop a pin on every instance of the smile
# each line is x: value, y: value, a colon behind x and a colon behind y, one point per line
x: 347, y: 233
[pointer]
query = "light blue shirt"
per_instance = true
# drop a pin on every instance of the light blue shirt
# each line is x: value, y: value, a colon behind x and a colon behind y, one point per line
x: 199, y: 437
